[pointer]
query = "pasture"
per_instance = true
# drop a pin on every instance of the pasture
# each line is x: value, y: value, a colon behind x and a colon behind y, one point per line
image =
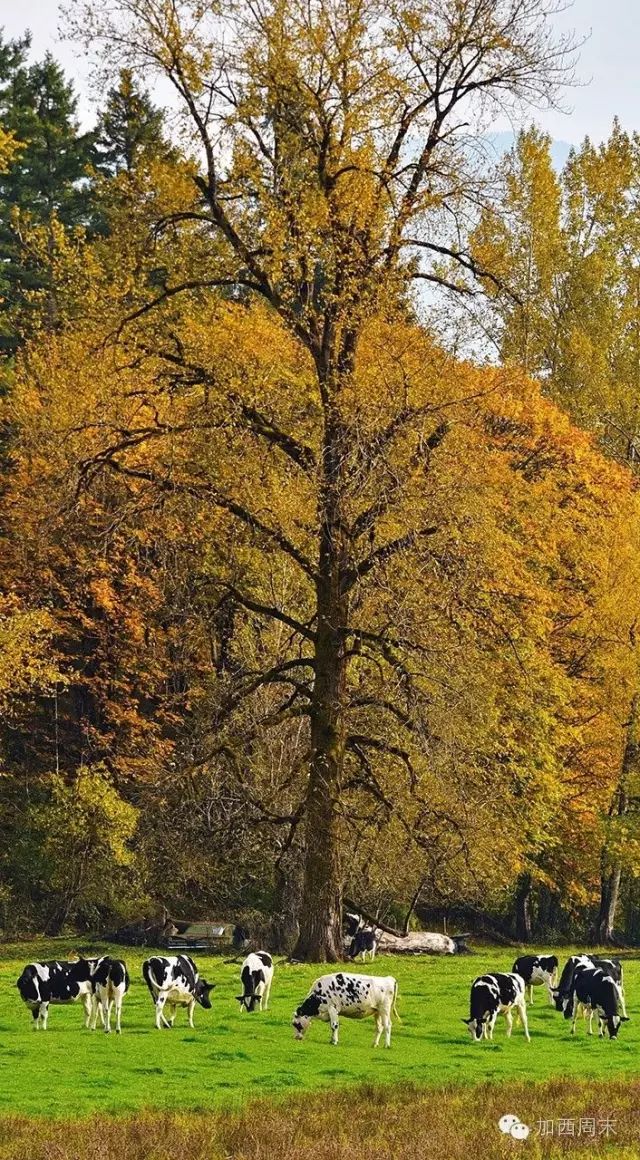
x: 232, y: 1058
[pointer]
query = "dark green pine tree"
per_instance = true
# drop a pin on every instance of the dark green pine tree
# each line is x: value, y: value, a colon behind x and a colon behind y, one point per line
x: 49, y: 178
x: 130, y: 129
x: 13, y: 56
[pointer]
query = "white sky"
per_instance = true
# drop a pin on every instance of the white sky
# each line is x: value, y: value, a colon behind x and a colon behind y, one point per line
x: 608, y: 63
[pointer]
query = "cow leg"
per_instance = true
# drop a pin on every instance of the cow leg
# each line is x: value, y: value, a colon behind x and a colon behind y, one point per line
x: 96, y: 1005
x: 267, y: 992
x: 88, y: 1003
x: 491, y: 1022
x: 508, y: 1018
x: 107, y: 1004
x: 590, y: 1016
x: 387, y: 1029
x: 35, y: 1015
x: 118, y: 1010
x: 160, y: 1019
x: 378, y: 1031
x: 191, y: 1009
x: 522, y: 1011
x: 531, y: 993
x: 333, y: 1019
x: 575, y: 1015
x: 44, y: 1015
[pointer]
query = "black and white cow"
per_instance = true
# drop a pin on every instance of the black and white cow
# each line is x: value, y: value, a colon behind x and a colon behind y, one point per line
x: 355, y: 997
x: 364, y: 942
x: 493, y: 995
x: 174, y: 982
x: 55, y: 981
x: 613, y: 967
x: 595, y: 991
x: 536, y: 970
x: 256, y: 975
x: 110, y: 984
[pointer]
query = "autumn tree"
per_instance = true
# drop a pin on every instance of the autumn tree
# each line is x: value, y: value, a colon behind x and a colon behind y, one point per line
x: 333, y: 160
x: 519, y: 237
x: 575, y: 325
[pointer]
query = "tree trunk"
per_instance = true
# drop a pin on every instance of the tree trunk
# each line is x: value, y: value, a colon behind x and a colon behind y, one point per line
x: 609, y: 891
x: 611, y: 870
x: 321, y: 911
x: 285, y: 927
x: 523, y: 914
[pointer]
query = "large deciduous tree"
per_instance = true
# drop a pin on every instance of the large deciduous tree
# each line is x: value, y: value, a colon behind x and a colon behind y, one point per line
x: 334, y: 168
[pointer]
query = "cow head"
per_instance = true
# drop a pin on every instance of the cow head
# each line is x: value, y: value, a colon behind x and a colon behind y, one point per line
x: 559, y: 1000
x: 248, y: 1001
x: 300, y: 1024
x: 202, y: 992
x: 84, y: 969
x: 475, y: 1027
x: 305, y: 1013
x: 353, y: 923
x: 612, y: 1024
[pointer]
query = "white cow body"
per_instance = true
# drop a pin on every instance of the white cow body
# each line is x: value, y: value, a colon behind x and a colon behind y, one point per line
x: 355, y: 997
x: 173, y: 982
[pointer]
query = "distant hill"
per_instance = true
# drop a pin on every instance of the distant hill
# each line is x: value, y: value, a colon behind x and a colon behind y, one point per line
x: 501, y: 142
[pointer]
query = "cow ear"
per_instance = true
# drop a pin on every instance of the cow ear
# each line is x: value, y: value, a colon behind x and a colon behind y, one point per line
x: 467, y: 1021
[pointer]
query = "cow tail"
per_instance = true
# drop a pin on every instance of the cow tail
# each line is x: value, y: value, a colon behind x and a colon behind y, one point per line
x: 395, y: 996
x: 146, y: 971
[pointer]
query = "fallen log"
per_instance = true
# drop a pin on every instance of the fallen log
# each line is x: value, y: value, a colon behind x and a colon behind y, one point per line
x: 417, y: 942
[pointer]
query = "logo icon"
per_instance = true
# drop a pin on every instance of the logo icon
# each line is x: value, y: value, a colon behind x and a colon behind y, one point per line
x: 511, y: 1125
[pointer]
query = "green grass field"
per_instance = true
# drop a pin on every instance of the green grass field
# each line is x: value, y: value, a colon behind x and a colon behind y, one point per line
x: 231, y: 1058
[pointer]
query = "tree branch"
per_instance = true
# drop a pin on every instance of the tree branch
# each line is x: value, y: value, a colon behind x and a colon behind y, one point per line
x: 384, y: 552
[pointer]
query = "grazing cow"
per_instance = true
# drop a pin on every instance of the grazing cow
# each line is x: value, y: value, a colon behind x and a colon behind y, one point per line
x: 595, y: 991
x: 493, y: 995
x: 41, y: 984
x: 175, y: 982
x: 353, y: 923
x: 257, y: 975
x: 537, y: 969
x: 110, y: 985
x: 355, y: 997
x: 364, y: 942
x: 613, y: 967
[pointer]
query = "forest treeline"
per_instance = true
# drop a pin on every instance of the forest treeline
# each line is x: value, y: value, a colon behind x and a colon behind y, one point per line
x: 297, y: 602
